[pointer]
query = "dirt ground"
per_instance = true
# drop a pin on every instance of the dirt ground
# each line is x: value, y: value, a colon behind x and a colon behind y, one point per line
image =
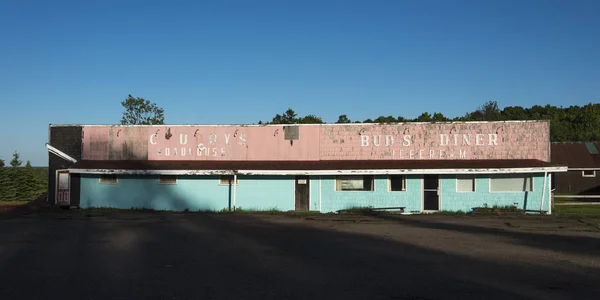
x: 159, y: 255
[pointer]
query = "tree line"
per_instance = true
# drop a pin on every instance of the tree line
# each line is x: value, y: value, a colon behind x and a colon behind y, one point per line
x: 21, y: 183
x: 573, y: 123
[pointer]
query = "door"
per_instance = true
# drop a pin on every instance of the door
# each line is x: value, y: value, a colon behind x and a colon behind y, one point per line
x: 62, y: 188
x: 431, y: 193
x: 302, y: 192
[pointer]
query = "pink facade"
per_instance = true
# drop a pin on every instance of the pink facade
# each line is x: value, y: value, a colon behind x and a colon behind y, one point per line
x: 431, y: 141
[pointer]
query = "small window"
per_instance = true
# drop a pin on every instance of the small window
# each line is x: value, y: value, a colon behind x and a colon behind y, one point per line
x: 108, y: 179
x: 354, y: 183
x: 227, y: 180
x: 588, y: 173
x: 167, y: 179
x: 397, y: 183
x: 465, y: 183
x: 512, y: 183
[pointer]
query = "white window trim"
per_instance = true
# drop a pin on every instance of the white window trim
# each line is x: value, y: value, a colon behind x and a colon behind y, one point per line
x: 474, y: 184
x: 168, y: 183
x: 115, y: 182
x: 389, y: 180
x: 237, y: 181
x: 353, y: 191
x: 583, y: 173
x: 512, y: 192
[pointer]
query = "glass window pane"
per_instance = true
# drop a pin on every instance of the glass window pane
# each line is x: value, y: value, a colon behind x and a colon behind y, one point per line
x: 465, y: 184
x: 513, y: 183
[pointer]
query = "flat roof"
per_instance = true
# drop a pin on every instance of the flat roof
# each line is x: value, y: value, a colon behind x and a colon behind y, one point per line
x: 327, y: 124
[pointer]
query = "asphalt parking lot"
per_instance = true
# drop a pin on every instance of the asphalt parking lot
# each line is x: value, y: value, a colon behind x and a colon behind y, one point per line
x: 139, y: 255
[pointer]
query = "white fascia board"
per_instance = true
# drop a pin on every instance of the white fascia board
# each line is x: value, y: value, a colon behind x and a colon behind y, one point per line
x: 321, y: 172
x: 584, y: 169
x: 60, y: 153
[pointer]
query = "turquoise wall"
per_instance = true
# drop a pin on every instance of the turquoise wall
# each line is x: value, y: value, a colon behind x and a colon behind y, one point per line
x: 277, y: 192
x: 465, y: 201
x: 336, y: 200
x: 190, y: 192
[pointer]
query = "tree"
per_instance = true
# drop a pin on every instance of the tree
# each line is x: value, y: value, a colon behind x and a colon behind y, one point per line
x: 439, y: 117
x: 486, y: 112
x: 139, y: 111
x: 343, y: 119
x: 382, y: 119
x: 310, y: 119
x: 288, y: 117
x: 1, y: 163
x: 424, y: 117
x: 15, y: 162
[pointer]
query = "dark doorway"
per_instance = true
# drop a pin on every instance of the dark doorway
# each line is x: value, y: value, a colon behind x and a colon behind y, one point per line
x: 302, y: 192
x: 431, y: 198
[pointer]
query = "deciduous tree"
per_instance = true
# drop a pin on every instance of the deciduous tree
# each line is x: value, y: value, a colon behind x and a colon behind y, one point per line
x: 139, y: 111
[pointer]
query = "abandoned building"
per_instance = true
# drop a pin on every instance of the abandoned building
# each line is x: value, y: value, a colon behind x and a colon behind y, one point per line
x: 583, y: 162
x: 422, y: 167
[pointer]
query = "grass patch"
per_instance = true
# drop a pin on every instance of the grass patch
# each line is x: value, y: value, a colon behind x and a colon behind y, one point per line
x: 12, y: 203
x: 577, y: 210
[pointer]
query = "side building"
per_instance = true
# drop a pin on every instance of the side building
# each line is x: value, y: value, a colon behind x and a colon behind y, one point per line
x: 424, y: 167
x: 583, y: 162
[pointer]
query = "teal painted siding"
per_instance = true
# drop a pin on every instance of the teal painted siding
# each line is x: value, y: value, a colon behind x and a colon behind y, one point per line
x: 451, y: 200
x: 190, y: 192
x: 278, y: 192
x: 266, y: 192
x: 314, y: 193
x: 380, y: 197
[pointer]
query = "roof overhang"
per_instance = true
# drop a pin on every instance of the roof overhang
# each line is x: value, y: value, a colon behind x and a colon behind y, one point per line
x: 323, y: 172
x: 60, y: 153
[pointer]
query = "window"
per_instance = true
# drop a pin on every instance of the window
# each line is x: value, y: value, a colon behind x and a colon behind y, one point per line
x: 108, y: 179
x: 227, y: 180
x: 588, y: 173
x: 354, y: 183
x: 167, y: 179
x: 397, y: 183
x: 465, y: 183
x: 512, y: 183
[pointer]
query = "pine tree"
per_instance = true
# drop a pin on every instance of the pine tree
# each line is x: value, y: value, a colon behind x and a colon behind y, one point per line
x: 15, y: 162
x: 26, y: 188
x: 3, y: 181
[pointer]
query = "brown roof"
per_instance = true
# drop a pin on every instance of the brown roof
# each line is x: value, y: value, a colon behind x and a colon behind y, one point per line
x: 575, y: 154
x: 309, y: 165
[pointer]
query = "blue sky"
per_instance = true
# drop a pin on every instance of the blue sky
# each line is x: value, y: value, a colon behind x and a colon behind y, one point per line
x: 211, y: 62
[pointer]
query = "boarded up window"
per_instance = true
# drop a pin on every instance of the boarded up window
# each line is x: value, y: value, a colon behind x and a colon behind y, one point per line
x: 354, y: 183
x: 108, y: 179
x: 511, y: 183
x: 465, y: 183
x: 167, y: 179
x: 397, y: 183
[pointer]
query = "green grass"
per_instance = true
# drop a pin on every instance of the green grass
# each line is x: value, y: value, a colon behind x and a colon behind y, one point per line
x: 577, y: 210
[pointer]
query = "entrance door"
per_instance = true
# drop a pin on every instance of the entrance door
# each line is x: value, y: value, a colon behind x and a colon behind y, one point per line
x: 62, y: 188
x: 302, y: 192
x: 431, y: 195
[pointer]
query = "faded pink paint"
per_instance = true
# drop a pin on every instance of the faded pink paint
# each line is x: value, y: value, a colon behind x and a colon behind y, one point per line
x: 115, y: 143
x: 232, y: 143
x: 514, y: 140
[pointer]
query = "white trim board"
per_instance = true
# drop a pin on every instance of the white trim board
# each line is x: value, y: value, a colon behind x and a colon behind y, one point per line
x: 320, y: 172
x: 60, y: 153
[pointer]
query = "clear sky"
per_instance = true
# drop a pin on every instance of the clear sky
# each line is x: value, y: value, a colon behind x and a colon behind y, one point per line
x: 226, y: 61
